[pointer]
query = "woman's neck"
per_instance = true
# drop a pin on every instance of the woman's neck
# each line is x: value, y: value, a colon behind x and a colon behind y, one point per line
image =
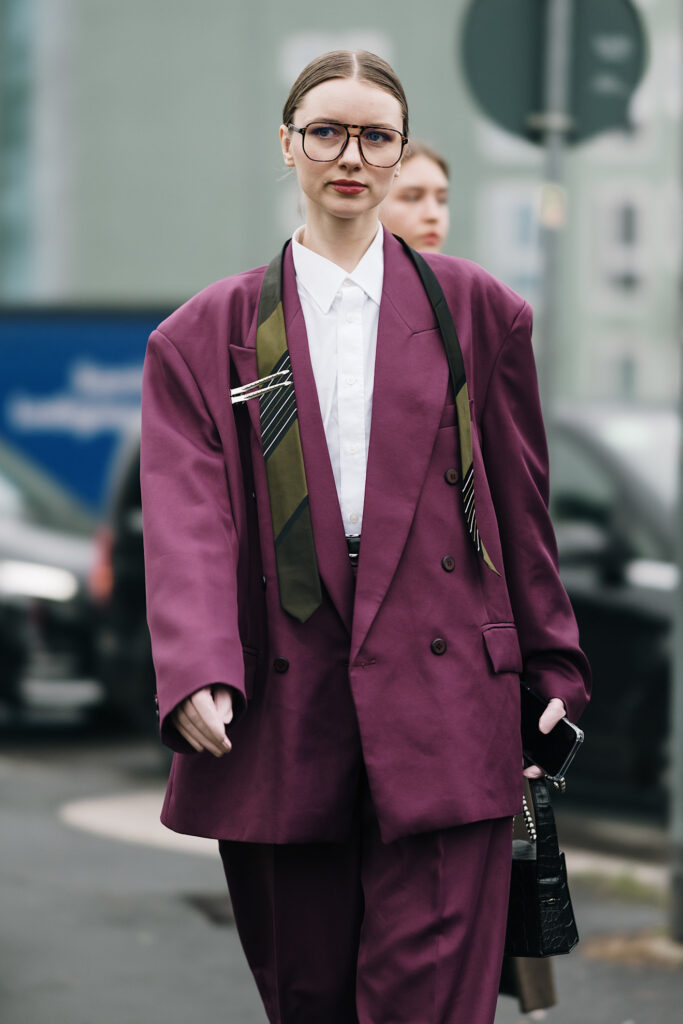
x: 343, y: 242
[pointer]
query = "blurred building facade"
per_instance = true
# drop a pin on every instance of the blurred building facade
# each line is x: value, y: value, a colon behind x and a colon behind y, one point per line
x: 140, y: 160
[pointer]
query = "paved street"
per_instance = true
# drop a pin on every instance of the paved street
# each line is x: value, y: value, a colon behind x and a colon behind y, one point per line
x: 101, y: 930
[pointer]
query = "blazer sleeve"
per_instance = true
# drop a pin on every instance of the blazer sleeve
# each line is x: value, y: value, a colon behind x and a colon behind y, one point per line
x: 516, y: 460
x: 190, y: 540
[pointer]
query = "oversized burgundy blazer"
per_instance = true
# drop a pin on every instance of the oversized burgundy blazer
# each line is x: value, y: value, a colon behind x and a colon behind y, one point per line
x: 361, y: 681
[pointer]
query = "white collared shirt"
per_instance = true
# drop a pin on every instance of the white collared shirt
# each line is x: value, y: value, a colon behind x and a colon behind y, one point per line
x: 341, y: 312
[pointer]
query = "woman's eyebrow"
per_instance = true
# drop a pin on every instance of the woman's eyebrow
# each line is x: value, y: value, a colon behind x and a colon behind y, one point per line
x: 370, y: 124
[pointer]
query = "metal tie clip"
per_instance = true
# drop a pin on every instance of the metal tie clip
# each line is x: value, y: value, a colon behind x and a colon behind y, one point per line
x: 259, y: 387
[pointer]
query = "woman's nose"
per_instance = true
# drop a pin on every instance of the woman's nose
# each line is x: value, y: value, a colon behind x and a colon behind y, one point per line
x: 432, y: 208
x: 352, y: 154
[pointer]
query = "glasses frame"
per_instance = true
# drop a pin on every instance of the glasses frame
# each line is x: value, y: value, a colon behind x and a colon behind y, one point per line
x: 356, y: 135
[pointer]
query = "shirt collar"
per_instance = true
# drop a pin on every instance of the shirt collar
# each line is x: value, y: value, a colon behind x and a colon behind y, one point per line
x: 322, y: 278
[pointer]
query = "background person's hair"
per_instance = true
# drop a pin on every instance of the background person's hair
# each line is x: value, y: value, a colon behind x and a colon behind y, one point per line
x: 415, y: 148
x: 360, y: 64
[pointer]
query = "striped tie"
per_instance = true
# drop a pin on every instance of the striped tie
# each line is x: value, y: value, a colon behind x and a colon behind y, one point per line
x: 297, y: 564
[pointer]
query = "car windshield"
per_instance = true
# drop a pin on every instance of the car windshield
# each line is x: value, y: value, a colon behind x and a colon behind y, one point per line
x: 31, y: 496
x: 648, y: 441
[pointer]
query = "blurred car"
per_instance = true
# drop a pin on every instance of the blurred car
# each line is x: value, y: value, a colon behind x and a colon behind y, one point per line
x: 613, y: 500
x: 123, y: 652
x: 46, y: 555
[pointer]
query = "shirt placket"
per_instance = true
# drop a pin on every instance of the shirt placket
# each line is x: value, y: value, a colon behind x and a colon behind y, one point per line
x: 351, y: 405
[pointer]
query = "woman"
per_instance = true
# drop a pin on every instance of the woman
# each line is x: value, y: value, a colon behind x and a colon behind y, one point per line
x: 320, y: 583
x: 417, y: 205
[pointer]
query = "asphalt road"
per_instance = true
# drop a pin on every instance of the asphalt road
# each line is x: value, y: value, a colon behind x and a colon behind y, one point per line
x: 98, y: 930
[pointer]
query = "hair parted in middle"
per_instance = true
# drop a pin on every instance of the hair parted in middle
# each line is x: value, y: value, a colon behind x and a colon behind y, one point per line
x: 359, y: 64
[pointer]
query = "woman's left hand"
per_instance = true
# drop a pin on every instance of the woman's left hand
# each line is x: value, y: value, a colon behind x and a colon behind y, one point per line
x: 546, y: 723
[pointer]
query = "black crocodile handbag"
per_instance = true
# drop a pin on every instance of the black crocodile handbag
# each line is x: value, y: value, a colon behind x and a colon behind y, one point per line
x: 540, y: 914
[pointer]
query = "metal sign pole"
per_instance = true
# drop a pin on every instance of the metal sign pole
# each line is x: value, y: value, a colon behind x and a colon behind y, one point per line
x: 676, y: 733
x: 555, y: 123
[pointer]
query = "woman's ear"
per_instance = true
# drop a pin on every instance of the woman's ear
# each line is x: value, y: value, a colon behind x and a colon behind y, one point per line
x: 286, y: 146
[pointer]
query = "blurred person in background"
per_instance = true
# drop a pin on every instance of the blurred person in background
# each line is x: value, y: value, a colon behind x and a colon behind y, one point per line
x: 416, y: 208
x: 337, y: 646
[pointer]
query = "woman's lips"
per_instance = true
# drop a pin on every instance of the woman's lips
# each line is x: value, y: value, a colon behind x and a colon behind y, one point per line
x: 431, y: 238
x: 347, y: 188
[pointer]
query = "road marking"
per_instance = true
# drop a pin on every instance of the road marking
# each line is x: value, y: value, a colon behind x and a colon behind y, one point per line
x: 132, y: 818
x: 584, y: 862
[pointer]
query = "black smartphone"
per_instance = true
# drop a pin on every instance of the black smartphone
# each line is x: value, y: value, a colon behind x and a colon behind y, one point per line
x: 554, y: 751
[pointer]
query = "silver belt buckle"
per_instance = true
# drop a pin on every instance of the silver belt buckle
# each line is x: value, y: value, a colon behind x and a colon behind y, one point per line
x: 353, y: 544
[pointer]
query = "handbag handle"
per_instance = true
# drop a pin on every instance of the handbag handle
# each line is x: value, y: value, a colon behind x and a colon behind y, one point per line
x: 547, y: 847
x: 437, y: 300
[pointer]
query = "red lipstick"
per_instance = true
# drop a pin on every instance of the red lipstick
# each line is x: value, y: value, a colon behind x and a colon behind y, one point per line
x: 347, y: 187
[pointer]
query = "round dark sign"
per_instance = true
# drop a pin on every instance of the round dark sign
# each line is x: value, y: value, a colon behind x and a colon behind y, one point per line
x: 502, y: 45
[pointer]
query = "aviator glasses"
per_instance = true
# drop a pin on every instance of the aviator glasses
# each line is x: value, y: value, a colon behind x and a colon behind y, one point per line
x: 325, y: 141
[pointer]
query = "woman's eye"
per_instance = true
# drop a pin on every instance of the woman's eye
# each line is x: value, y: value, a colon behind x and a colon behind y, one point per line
x: 375, y: 136
x: 324, y: 131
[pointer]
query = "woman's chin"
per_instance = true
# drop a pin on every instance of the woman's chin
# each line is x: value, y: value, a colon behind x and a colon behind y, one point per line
x: 347, y: 207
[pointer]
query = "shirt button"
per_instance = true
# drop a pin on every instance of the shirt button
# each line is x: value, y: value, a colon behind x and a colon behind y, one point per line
x: 438, y: 646
x: 350, y: 381
x: 281, y: 665
x: 354, y: 517
x: 351, y: 318
x: 448, y: 563
x: 451, y: 476
x: 352, y: 449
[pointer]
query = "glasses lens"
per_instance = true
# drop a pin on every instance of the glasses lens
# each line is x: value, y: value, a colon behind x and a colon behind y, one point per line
x: 324, y: 141
x: 381, y: 146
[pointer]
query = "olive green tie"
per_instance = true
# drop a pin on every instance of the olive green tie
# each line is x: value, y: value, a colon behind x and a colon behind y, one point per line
x: 297, y: 564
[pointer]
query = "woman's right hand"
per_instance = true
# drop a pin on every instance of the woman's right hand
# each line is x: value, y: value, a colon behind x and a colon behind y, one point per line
x: 202, y: 717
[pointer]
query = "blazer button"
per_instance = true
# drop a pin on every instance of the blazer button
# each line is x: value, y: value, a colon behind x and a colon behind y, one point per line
x: 448, y: 563
x: 451, y: 476
x: 438, y: 646
x: 281, y: 665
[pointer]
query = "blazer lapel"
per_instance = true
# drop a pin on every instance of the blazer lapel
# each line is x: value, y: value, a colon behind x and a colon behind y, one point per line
x: 411, y: 381
x: 328, y: 529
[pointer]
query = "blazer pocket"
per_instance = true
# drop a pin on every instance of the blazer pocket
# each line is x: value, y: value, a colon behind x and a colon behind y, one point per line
x: 502, y: 646
x: 449, y: 416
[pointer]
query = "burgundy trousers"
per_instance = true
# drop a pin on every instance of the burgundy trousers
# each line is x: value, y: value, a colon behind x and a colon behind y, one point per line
x: 365, y: 932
